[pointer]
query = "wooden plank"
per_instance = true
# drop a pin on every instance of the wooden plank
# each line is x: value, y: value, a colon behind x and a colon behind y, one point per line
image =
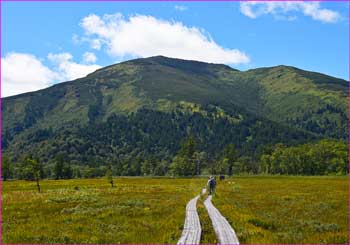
x: 191, y: 233
x: 223, y: 230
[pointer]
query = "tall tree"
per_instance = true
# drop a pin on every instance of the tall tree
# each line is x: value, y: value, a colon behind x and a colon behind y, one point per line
x: 35, y: 169
x: 230, y: 154
x: 199, y: 158
x: 6, y: 168
x: 184, y: 163
x: 67, y: 171
x: 188, y: 147
x: 109, y: 175
x: 59, y: 164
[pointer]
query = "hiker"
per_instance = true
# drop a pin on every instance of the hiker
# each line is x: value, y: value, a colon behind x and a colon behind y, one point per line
x: 222, y: 177
x: 211, y: 185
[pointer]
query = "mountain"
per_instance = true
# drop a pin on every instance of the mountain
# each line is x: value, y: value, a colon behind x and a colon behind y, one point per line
x: 148, y: 106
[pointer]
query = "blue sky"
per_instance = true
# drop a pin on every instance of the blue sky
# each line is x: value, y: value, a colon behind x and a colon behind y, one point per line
x: 56, y: 41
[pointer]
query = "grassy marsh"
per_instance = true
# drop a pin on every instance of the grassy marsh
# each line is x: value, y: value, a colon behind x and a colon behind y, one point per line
x: 285, y: 209
x: 137, y: 210
x: 152, y: 210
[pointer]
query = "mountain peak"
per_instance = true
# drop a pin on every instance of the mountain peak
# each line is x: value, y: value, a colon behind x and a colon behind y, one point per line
x: 161, y: 59
x: 192, y: 66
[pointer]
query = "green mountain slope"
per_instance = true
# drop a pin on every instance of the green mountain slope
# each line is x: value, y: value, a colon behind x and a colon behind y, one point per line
x: 147, y: 106
x: 307, y: 100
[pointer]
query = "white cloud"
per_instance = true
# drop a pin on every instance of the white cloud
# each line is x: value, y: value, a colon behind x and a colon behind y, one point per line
x: 94, y: 43
x: 89, y: 57
x: 279, y: 9
x: 68, y: 69
x: 144, y: 36
x: 180, y: 8
x: 22, y: 73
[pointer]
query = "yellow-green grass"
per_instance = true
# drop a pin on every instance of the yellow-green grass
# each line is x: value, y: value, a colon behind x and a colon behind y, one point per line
x: 137, y: 210
x: 151, y: 210
x: 266, y: 210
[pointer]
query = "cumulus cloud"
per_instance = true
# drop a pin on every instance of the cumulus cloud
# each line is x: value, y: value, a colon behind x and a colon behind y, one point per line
x: 94, y: 43
x: 89, y: 57
x: 22, y: 73
x: 144, y: 36
x: 68, y: 69
x: 180, y: 8
x: 282, y: 10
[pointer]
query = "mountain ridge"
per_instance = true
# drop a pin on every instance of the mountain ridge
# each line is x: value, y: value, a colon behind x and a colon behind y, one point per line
x: 191, y: 61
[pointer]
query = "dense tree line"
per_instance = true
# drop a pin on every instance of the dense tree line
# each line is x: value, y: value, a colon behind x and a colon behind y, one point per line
x: 322, y: 158
x: 326, y: 157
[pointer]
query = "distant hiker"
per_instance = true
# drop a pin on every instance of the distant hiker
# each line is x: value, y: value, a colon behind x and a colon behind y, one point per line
x: 222, y: 177
x: 211, y: 184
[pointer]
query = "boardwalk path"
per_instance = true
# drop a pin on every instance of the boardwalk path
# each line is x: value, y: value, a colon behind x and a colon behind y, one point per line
x: 191, y: 233
x: 223, y: 229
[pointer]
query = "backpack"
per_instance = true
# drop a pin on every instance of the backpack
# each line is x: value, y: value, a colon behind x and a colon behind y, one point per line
x: 212, y: 183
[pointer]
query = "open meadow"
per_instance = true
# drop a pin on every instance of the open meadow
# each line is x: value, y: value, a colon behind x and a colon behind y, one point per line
x: 152, y: 210
x: 136, y: 210
x: 270, y: 210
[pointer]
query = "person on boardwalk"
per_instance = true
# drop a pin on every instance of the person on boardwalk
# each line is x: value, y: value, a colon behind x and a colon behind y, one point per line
x: 211, y: 184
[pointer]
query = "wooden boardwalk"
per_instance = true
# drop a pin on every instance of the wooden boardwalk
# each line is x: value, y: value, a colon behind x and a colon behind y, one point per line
x: 191, y: 233
x: 223, y: 230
